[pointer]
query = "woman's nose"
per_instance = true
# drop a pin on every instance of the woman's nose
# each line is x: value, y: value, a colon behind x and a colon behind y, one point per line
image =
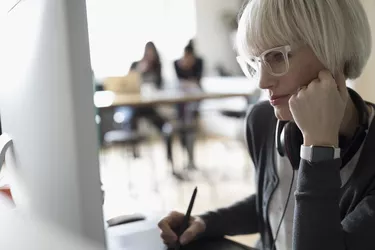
x: 266, y: 80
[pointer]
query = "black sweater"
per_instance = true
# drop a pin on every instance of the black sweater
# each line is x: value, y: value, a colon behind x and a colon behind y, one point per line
x: 326, y: 216
x: 194, y: 73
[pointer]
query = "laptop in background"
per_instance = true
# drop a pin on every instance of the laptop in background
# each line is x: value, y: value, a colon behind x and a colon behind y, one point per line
x: 129, y: 84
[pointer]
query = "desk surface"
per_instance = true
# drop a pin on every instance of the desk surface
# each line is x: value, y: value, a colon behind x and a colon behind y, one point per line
x: 146, y: 236
x: 106, y: 99
x: 216, y: 244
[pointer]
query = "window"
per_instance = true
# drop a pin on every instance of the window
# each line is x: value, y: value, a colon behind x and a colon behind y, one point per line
x: 119, y: 29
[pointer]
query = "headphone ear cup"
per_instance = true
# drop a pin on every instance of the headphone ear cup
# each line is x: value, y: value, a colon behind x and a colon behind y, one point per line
x: 293, y: 140
x: 280, y: 137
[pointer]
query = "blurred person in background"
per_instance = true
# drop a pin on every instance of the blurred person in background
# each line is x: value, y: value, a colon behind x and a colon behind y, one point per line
x: 150, y: 69
x: 190, y: 66
x: 189, y: 70
x: 149, y: 66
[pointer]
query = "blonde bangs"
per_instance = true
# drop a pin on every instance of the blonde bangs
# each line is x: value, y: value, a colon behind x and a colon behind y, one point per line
x: 262, y: 27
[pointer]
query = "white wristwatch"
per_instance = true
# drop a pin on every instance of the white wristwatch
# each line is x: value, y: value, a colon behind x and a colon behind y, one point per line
x: 319, y: 153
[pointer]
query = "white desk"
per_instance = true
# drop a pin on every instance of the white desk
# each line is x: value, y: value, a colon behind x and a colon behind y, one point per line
x: 107, y: 99
x: 145, y: 235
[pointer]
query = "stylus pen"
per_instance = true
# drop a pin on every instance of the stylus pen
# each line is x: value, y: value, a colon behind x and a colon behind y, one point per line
x: 185, y: 223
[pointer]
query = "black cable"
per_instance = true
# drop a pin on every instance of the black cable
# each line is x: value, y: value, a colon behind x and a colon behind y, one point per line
x: 285, y: 208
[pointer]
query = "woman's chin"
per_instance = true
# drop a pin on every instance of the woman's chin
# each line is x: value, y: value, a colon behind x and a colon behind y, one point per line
x: 283, y: 113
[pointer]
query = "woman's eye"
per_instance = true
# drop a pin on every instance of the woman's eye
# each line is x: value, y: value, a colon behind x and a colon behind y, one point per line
x: 275, y: 57
x: 278, y: 57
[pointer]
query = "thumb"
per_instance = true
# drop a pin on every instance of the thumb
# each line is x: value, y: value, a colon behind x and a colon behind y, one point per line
x: 190, y: 233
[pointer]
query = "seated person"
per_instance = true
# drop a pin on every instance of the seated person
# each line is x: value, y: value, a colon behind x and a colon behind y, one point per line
x: 149, y: 69
x: 189, y: 69
x: 190, y: 66
x: 312, y: 143
x: 149, y: 66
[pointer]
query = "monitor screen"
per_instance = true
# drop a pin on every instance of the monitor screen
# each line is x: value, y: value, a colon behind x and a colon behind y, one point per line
x: 46, y: 107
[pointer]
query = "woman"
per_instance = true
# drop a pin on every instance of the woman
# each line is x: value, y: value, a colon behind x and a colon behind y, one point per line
x: 149, y: 66
x: 150, y: 69
x: 312, y: 143
x: 190, y: 66
x: 189, y: 71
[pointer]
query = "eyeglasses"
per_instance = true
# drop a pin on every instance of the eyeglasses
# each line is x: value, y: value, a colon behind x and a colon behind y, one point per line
x: 276, y: 61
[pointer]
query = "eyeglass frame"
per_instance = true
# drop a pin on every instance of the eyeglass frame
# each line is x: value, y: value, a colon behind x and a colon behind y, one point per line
x: 261, y: 60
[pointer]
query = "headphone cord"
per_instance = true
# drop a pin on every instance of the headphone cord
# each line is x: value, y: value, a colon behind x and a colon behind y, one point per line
x: 284, y: 212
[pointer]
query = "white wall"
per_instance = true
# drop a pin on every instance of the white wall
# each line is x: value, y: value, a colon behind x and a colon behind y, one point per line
x: 365, y: 85
x: 212, y: 39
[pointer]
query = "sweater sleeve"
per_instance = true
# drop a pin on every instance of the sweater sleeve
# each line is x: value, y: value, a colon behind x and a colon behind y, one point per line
x: 237, y: 219
x: 317, y: 220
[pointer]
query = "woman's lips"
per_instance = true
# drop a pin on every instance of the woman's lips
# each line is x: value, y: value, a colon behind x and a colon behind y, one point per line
x: 280, y: 99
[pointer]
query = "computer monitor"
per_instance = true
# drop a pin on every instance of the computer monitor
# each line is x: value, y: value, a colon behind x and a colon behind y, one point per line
x: 46, y: 106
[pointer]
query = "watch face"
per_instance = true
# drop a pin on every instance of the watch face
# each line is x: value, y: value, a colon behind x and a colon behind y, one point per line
x: 322, y: 153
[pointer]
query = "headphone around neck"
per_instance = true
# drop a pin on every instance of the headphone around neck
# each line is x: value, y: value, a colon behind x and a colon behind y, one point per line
x: 289, y: 138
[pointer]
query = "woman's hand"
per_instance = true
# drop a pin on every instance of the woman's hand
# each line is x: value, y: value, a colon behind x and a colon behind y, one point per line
x: 173, y: 222
x: 318, y: 109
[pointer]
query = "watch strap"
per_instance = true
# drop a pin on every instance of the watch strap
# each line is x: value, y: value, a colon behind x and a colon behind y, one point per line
x: 319, y: 153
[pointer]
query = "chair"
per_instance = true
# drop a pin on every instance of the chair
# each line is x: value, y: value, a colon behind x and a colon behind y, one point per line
x: 240, y: 114
x: 186, y: 132
x: 130, y: 141
x: 234, y: 113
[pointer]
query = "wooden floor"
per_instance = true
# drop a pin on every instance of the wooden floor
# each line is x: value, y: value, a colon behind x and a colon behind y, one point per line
x: 145, y: 185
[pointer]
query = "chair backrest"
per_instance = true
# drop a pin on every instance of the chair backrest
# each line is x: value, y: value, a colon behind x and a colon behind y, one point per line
x: 254, y: 97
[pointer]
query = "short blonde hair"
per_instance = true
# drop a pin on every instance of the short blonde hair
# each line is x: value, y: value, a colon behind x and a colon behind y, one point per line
x: 337, y: 31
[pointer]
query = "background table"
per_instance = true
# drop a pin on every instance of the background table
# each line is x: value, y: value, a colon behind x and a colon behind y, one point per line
x: 108, y: 99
